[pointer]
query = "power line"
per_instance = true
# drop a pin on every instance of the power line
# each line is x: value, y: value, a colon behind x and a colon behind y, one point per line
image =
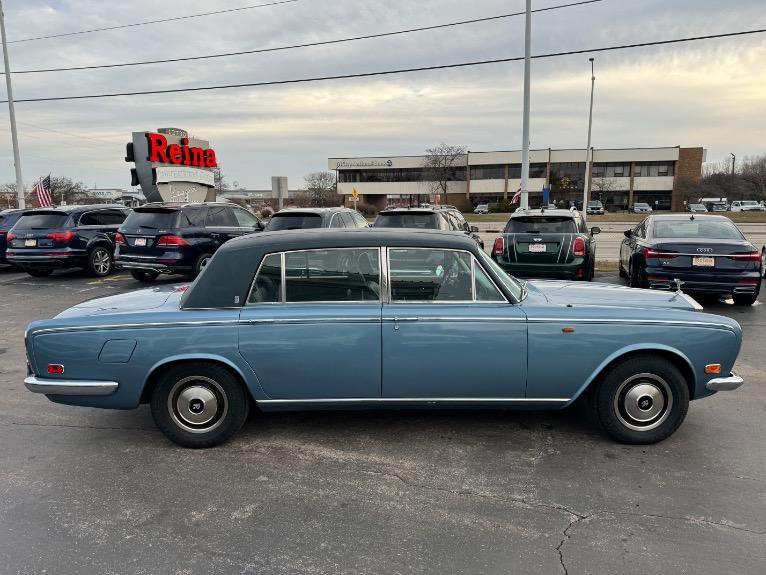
x: 147, y: 22
x: 388, y: 72
x: 305, y: 45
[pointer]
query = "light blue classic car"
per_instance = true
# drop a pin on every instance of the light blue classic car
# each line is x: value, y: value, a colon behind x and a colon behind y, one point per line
x: 330, y: 319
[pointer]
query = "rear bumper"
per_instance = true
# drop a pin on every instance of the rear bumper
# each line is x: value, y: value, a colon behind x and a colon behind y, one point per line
x: 69, y: 387
x: 554, y: 270
x: 150, y: 264
x: 736, y: 283
x: 725, y: 383
x: 63, y: 259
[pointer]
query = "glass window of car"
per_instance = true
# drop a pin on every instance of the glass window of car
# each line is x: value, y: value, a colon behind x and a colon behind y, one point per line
x: 432, y: 275
x: 342, y: 275
x: 195, y: 217
x: 484, y: 289
x: 220, y: 217
x: 359, y: 220
x: 245, y: 219
x: 541, y: 225
x: 42, y: 221
x: 336, y: 221
x: 294, y: 221
x: 348, y: 219
x: 419, y: 220
x: 161, y: 219
x: 102, y: 218
x: 267, y: 286
x: 515, y: 287
x: 698, y: 228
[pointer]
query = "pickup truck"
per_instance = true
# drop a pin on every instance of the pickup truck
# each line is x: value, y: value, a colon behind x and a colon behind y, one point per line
x: 547, y: 244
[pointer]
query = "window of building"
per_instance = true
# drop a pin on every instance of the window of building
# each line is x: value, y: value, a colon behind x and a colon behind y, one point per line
x: 611, y: 170
x: 332, y: 275
x: 536, y: 170
x: 488, y: 172
x: 654, y: 169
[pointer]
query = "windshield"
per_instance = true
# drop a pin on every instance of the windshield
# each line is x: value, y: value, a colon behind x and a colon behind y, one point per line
x: 541, y: 225
x: 509, y: 282
x: 44, y: 221
x: 296, y: 221
x: 159, y: 220
x: 422, y: 220
x: 687, y: 229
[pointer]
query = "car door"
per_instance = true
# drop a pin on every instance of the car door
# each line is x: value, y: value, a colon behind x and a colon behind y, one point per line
x: 246, y: 222
x: 448, y: 332
x: 220, y: 224
x: 312, y: 331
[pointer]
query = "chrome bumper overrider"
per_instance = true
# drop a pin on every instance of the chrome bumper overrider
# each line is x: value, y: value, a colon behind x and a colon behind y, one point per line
x: 725, y: 383
x: 64, y: 387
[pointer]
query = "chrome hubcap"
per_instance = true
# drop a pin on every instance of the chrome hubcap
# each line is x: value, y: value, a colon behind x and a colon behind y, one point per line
x: 101, y: 261
x: 197, y: 404
x: 643, y: 401
x: 203, y: 263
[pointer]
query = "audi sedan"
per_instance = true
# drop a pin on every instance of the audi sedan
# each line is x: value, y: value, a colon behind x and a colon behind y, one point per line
x: 706, y: 254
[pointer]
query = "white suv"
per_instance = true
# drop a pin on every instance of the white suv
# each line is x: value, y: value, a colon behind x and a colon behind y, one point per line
x: 747, y: 206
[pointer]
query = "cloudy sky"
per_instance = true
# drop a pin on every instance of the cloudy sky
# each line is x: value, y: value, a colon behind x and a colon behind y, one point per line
x: 710, y: 93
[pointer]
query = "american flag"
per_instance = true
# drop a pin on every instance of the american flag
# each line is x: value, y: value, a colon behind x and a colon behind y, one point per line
x: 43, y: 191
x: 516, y: 196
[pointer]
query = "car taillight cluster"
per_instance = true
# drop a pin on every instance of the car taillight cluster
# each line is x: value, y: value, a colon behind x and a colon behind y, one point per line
x: 172, y: 241
x: 11, y: 237
x: 654, y: 254
x: 747, y: 257
x: 119, y: 239
x: 61, y: 237
x: 578, y: 247
x: 499, y: 248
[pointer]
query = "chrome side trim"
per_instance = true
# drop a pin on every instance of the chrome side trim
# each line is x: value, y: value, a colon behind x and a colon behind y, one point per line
x: 628, y: 321
x: 272, y: 321
x: 134, y: 326
x: 725, y: 383
x: 455, y: 318
x: 70, y: 387
x: 384, y: 400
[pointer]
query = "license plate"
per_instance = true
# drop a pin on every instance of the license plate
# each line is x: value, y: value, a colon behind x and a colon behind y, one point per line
x: 703, y: 262
x: 30, y: 243
x: 537, y: 248
x: 140, y: 242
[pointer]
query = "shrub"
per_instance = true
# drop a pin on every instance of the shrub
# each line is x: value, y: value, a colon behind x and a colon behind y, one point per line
x: 266, y: 212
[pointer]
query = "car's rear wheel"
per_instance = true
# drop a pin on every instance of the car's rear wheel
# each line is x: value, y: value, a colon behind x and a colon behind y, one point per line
x: 100, y: 262
x: 746, y: 299
x: 200, y: 264
x: 39, y: 272
x: 633, y: 279
x: 642, y: 400
x: 199, y: 404
x: 144, y: 276
x: 763, y: 262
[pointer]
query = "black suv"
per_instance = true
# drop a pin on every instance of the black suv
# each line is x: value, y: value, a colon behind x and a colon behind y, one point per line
x: 44, y: 239
x: 428, y: 218
x: 8, y: 219
x: 307, y: 218
x: 171, y: 238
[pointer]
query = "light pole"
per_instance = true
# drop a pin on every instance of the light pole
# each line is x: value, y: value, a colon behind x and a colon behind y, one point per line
x: 586, y: 187
x: 733, y: 161
x: 12, y: 114
x: 525, y: 120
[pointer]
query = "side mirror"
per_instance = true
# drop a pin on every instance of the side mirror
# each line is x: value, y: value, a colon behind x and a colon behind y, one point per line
x: 595, y: 230
x: 628, y: 233
x: 475, y: 229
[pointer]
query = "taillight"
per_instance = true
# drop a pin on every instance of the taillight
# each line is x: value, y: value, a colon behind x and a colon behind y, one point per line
x: 172, y: 241
x: 62, y: 237
x: 119, y: 239
x: 748, y: 257
x: 650, y: 254
x: 55, y: 368
x: 499, y: 248
x: 11, y: 237
x: 578, y: 247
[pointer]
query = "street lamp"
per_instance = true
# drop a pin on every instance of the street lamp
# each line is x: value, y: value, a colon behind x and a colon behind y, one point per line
x: 733, y: 161
x: 586, y: 187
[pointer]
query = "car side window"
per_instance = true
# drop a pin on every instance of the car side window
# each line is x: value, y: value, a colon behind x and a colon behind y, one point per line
x: 90, y: 219
x: 484, y: 288
x: 360, y: 221
x: 336, y: 221
x: 112, y: 217
x: 348, y: 219
x: 332, y: 275
x: 430, y: 275
x: 267, y: 286
x: 193, y: 218
x: 219, y: 216
x: 245, y: 219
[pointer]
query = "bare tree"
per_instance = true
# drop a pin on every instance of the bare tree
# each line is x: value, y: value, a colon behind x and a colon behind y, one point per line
x: 601, y: 186
x: 441, y: 167
x: 753, y: 171
x: 320, y: 189
x: 220, y: 183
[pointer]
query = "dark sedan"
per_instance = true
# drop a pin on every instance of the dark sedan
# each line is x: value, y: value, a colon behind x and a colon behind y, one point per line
x: 707, y: 254
x: 8, y: 219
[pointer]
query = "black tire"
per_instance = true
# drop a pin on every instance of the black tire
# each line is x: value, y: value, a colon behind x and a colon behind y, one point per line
x: 633, y: 279
x: 641, y: 400
x: 100, y: 262
x: 39, y: 272
x: 745, y: 299
x: 145, y: 276
x: 189, y: 387
x: 200, y: 264
x: 621, y: 270
x: 590, y: 271
x: 763, y: 262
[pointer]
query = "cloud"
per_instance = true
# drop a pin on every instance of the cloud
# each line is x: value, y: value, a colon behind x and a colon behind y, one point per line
x: 706, y: 93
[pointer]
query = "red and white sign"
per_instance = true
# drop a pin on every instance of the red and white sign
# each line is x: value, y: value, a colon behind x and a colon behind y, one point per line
x: 179, y: 154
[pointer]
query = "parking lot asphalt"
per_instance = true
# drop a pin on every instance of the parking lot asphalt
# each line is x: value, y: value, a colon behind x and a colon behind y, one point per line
x: 96, y: 491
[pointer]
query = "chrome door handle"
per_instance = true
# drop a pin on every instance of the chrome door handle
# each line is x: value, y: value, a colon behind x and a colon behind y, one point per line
x: 402, y: 319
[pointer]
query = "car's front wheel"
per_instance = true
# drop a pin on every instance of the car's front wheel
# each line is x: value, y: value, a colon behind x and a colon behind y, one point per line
x: 199, y: 404
x: 200, y: 264
x: 642, y: 400
x: 100, y: 262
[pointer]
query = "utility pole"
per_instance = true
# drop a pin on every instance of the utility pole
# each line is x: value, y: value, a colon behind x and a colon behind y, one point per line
x: 733, y: 161
x: 525, y: 121
x: 586, y: 188
x: 12, y: 114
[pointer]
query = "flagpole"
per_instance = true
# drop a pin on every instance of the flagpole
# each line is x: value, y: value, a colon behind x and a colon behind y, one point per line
x: 12, y: 114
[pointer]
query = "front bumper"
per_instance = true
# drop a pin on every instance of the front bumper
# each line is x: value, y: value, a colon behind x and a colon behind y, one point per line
x: 725, y: 383
x: 69, y: 387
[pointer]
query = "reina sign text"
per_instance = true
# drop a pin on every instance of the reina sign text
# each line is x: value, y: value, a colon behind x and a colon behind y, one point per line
x: 182, y: 155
